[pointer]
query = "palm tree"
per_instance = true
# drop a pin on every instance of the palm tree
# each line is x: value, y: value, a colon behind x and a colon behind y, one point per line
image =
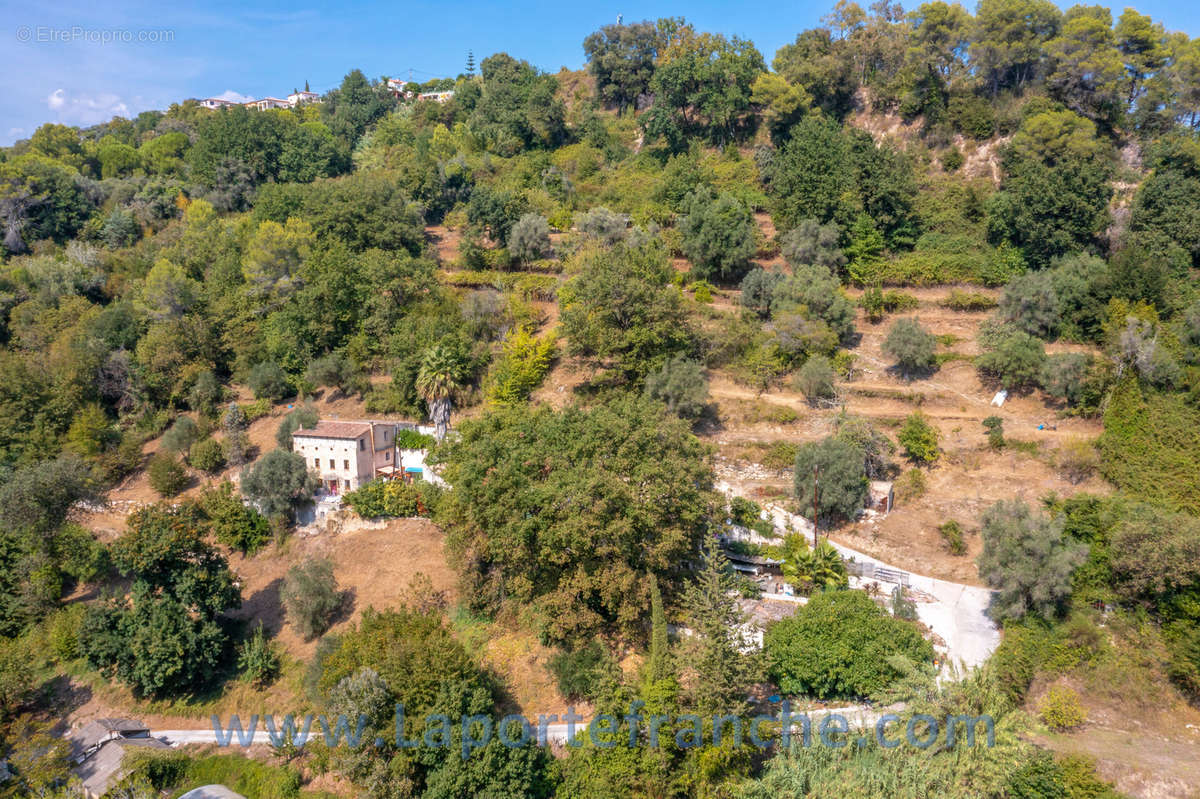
x: 809, y: 569
x: 439, y: 379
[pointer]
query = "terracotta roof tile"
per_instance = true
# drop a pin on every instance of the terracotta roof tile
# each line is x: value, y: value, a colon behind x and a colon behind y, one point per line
x: 334, y: 429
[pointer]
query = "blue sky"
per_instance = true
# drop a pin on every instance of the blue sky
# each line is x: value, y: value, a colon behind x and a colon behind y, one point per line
x: 57, y: 67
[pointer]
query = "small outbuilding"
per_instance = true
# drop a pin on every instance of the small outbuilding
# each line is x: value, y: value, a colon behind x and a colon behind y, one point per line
x: 881, y: 496
x: 98, y: 750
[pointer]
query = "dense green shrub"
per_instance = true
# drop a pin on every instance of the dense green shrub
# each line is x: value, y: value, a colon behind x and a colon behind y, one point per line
x: 207, y: 456
x: 1060, y: 709
x: 524, y: 361
x: 1015, y: 361
x: 953, y: 159
x: 411, y: 439
x: 681, y: 385
x: 952, y: 534
x: 840, y: 645
x: 389, y: 498
x: 176, y: 771
x: 268, y: 381
x: 842, y: 478
x: 959, y: 300
x: 258, y: 660
x: 995, y: 432
x: 1150, y: 446
x: 167, y: 474
x: 234, y: 524
x: 579, y: 673
x: 80, y: 555
x: 911, y: 345
x: 919, y: 439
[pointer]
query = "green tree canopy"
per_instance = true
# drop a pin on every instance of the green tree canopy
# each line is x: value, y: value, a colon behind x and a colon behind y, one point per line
x: 620, y: 309
x: 841, y: 479
x: 1026, y: 559
x: 840, y: 645
x: 532, y: 520
x: 621, y: 57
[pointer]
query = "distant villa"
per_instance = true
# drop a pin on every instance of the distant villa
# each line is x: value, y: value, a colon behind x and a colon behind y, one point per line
x: 294, y: 99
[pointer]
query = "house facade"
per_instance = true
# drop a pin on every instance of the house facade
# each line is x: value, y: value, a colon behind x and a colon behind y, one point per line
x: 398, y: 88
x: 215, y: 103
x: 267, y: 103
x: 437, y: 97
x: 347, y: 454
x: 300, y: 98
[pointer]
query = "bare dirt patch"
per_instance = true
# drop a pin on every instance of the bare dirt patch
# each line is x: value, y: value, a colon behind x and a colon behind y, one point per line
x: 374, y: 564
x: 967, y: 479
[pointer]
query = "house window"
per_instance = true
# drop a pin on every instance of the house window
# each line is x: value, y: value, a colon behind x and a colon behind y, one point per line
x: 331, y: 466
x: 388, y: 456
x: 362, y: 444
x: 346, y: 465
x: 317, y: 462
x: 347, y: 482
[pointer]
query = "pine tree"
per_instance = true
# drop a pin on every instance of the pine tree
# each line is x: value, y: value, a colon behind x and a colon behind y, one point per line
x: 657, y: 667
x: 470, y: 63
x: 234, y: 425
x: 306, y: 86
x: 723, y: 668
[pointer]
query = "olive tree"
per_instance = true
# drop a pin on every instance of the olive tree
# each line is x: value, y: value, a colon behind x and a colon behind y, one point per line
x: 911, y: 345
x: 758, y: 290
x: 529, y: 239
x: 269, y: 381
x: 310, y: 596
x: 1015, y: 361
x: 681, y: 385
x: 1029, y: 303
x: 841, y: 478
x: 815, y: 244
x: 1026, y: 560
x: 603, y: 225
x: 815, y: 379
x: 278, y: 482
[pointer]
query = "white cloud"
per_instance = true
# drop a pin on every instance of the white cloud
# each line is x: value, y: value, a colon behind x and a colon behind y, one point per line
x: 233, y: 97
x: 86, y: 109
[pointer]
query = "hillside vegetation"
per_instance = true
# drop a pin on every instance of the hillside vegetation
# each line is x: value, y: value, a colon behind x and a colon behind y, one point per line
x: 618, y: 289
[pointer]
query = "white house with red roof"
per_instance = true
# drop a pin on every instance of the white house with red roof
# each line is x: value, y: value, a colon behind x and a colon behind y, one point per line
x: 267, y: 103
x: 302, y: 98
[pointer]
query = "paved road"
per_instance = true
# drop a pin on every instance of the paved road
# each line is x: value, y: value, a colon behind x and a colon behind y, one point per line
x: 958, y: 614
